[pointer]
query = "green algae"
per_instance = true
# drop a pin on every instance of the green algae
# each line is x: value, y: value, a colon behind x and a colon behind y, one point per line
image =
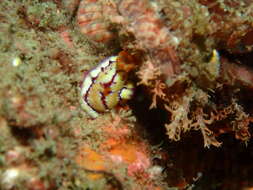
x: 39, y: 96
x: 41, y: 74
x: 45, y: 14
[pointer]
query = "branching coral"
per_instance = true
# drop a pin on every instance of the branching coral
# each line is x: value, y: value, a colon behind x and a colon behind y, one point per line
x: 183, y: 119
x: 181, y: 68
x: 148, y: 73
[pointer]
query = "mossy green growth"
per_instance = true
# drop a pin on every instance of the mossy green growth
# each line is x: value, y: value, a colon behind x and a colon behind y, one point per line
x: 43, y: 87
x: 39, y: 97
x: 45, y: 14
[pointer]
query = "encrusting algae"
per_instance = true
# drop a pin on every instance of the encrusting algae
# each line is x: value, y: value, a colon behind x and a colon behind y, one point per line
x: 147, y: 72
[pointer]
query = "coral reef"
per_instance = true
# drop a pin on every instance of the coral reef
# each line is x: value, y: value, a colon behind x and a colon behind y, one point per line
x: 183, y: 65
x: 190, y: 63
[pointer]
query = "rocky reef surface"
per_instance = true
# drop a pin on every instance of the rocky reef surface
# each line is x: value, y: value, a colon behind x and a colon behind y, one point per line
x: 187, y: 126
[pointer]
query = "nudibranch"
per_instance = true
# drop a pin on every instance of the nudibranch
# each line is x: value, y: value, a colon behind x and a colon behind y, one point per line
x: 105, y: 86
